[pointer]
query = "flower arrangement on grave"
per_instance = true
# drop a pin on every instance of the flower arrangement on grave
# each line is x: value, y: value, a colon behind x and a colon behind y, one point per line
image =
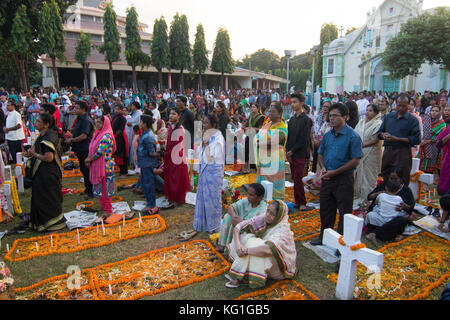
x: 14, y: 196
x: 229, y: 196
x: 6, y: 283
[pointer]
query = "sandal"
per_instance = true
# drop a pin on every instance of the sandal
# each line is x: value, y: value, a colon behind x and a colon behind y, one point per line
x: 129, y: 215
x: 231, y: 285
x: 187, y: 235
x: 150, y: 211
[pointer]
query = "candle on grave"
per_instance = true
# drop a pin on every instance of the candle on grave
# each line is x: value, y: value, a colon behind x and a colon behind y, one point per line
x: 7, y: 247
x: 97, y: 227
x: 110, y: 289
x: 124, y: 220
x: 140, y: 220
x: 78, y: 237
x: 37, y: 247
x: 51, y: 240
x: 103, y: 228
x: 164, y: 258
x: 109, y: 276
x: 120, y: 232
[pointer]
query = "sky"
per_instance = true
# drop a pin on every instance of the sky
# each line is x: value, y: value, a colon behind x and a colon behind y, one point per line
x: 275, y: 25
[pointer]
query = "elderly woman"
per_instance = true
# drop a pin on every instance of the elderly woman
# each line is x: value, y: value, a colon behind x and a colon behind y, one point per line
x: 46, y: 194
x: 270, y: 162
x: 433, y: 125
x: 263, y: 247
x: 244, y: 209
x: 370, y: 164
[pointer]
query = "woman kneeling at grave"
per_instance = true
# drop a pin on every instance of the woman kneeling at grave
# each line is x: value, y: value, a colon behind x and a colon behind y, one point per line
x: 244, y: 209
x: 263, y: 247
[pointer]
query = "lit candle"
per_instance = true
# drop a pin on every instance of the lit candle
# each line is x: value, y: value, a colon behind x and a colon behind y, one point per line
x: 78, y: 237
x: 17, y: 251
x: 51, y: 240
x: 110, y: 289
x: 140, y: 220
x: 37, y: 247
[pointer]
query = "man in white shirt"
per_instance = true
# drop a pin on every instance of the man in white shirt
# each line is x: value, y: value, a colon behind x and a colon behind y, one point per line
x: 13, y: 130
x: 156, y: 114
x: 4, y: 102
x: 362, y: 105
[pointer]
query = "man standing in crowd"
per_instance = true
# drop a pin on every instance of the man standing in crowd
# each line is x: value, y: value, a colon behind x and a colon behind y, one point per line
x: 400, y: 131
x: 298, y: 148
x: 339, y: 154
x: 187, y: 119
x: 156, y: 114
x: 362, y: 105
x: 13, y: 130
x: 132, y: 120
x: 81, y: 138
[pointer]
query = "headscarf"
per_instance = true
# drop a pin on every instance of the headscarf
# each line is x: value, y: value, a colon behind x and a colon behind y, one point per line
x: 98, y: 167
x: 277, y: 235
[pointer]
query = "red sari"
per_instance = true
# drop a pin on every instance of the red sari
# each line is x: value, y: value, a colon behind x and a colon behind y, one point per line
x: 176, y: 175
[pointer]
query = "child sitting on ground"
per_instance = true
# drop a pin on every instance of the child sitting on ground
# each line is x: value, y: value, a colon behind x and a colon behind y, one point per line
x: 387, y: 209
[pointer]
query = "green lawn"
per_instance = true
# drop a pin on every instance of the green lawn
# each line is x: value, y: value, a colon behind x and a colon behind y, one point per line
x: 312, y: 271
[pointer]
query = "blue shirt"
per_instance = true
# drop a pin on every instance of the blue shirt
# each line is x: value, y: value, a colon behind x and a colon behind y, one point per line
x: 406, y: 126
x: 145, y: 150
x: 339, y: 149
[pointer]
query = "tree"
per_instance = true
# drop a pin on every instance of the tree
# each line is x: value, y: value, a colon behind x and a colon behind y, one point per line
x: 264, y: 59
x: 180, y: 49
x: 133, y: 52
x: 111, y: 46
x: 82, y: 52
x: 222, y: 60
x: 425, y: 38
x: 350, y: 30
x: 200, y: 54
x: 51, y: 35
x: 328, y: 33
x: 160, y: 48
x: 21, y: 44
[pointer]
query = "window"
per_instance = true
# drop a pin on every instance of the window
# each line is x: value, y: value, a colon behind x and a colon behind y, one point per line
x: 71, y: 35
x: 391, y: 11
x: 146, y: 43
x: 87, y: 18
x: 390, y: 27
x: 378, y: 42
x: 96, y: 38
x: 330, y: 66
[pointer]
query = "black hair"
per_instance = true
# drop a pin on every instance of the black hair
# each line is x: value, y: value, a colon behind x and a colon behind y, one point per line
x: 213, y: 120
x: 83, y: 105
x: 148, y: 120
x: 50, y: 108
x: 182, y: 99
x: 47, y: 119
x: 137, y: 105
x: 278, y: 107
x: 106, y: 109
x: 259, y: 189
x: 403, y: 96
x: 393, y: 185
x: 343, y: 109
x: 299, y: 96
x: 375, y: 108
x: 136, y: 128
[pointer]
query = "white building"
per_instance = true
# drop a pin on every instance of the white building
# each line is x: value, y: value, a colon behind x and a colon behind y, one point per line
x: 354, y: 62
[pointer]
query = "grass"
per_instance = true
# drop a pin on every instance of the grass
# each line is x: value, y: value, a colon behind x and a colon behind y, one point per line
x: 312, y: 271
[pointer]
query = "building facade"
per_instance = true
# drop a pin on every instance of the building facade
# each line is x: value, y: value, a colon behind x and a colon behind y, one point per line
x: 87, y: 16
x: 354, y: 62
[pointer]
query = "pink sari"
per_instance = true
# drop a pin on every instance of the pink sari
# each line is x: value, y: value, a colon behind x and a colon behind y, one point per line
x: 444, y: 180
x: 97, y: 172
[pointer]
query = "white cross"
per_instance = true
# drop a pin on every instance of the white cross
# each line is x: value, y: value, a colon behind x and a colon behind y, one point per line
x: 424, y: 178
x: 268, y: 186
x: 19, y: 175
x: 347, y: 272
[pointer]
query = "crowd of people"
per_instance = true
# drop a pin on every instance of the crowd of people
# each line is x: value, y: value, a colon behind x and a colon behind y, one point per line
x: 338, y: 150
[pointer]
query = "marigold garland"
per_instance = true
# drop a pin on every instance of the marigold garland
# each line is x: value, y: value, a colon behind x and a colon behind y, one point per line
x: 306, y: 225
x: 355, y: 247
x: 136, y: 277
x: 89, y: 238
x: 14, y: 196
x: 86, y: 204
x: 116, y: 199
x: 412, y: 268
x: 283, y: 290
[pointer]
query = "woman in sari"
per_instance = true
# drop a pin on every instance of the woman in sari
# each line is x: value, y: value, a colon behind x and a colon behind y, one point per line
x: 433, y: 125
x: 263, y: 247
x: 443, y: 142
x: 161, y: 132
x: 176, y: 177
x: 33, y: 113
x: 121, y: 155
x: 366, y: 175
x: 211, y: 155
x: 101, y: 162
x: 46, y: 193
x: 270, y: 162
x: 244, y: 209
x: 255, y: 122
